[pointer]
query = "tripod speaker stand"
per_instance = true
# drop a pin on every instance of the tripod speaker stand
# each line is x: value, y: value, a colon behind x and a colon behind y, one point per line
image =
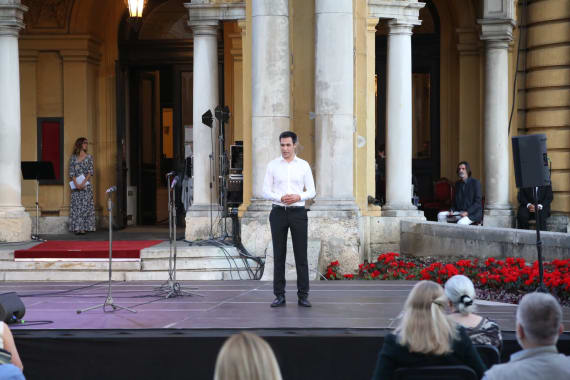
x: 172, y: 287
x: 109, y: 300
x: 37, y: 170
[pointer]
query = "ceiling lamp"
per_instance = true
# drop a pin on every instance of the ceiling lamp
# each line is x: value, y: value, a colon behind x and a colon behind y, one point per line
x: 136, y: 8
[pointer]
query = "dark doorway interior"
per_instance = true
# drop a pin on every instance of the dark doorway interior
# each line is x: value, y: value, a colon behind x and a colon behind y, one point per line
x: 425, y: 103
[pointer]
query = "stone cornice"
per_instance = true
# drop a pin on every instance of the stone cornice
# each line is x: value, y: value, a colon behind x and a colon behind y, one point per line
x: 12, y: 19
x: 403, y: 11
x: 203, y: 10
x: 77, y: 48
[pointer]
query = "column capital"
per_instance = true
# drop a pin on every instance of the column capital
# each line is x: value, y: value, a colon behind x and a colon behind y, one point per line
x: 206, y: 10
x: 396, y: 27
x: 204, y: 27
x: 405, y: 12
x: 496, y: 29
x: 371, y: 23
x: 468, y: 41
x: 11, y: 17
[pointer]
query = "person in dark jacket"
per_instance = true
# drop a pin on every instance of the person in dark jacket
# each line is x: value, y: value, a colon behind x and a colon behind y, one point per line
x: 467, y: 207
x: 526, y: 205
x: 426, y: 336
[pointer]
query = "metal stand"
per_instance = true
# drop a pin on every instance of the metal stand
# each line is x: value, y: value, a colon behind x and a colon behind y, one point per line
x: 172, y: 287
x: 109, y: 301
x: 36, y: 236
x: 541, y: 288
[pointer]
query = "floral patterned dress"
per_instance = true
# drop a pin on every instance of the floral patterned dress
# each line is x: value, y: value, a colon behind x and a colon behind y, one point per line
x: 82, y: 210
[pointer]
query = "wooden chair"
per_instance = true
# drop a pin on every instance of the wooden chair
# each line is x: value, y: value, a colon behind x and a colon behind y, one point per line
x: 444, y: 372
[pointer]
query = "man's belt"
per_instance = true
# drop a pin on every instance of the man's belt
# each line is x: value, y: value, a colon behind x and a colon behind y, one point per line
x: 287, y: 207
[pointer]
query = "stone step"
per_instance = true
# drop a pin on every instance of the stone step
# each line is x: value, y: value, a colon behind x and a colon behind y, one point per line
x: 187, y: 251
x: 79, y: 275
x: 200, y: 263
x: 69, y: 265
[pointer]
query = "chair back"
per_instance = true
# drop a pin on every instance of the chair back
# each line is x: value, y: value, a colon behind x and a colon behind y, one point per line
x: 440, y: 372
x: 443, y: 191
x: 489, y: 354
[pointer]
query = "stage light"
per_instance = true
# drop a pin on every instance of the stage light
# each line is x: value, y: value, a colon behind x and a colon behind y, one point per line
x: 208, y: 118
x: 223, y: 113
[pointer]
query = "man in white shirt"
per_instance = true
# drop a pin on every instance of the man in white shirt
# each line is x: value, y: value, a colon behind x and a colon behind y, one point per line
x: 539, y: 324
x: 288, y: 184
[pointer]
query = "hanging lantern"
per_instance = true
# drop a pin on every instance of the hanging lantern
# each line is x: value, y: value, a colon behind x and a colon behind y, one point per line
x: 136, y: 8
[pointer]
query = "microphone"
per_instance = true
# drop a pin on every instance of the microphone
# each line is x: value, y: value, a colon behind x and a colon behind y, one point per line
x: 111, y: 189
x: 174, y: 182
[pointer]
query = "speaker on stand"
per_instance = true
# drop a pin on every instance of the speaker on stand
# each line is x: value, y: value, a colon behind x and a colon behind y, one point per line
x: 530, y: 158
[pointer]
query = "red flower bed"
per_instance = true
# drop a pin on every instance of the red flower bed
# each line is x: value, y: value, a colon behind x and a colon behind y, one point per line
x: 512, y: 274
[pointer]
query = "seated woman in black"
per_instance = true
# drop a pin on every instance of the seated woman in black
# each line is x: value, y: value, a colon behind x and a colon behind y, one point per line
x: 426, y: 336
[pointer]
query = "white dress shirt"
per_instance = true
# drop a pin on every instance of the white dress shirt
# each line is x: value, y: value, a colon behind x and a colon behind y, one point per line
x: 282, y: 177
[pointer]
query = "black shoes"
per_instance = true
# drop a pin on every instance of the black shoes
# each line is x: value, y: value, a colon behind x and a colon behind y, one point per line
x: 278, y: 301
x: 304, y: 302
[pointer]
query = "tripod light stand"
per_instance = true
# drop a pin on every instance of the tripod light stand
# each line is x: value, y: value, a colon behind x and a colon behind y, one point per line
x: 109, y: 300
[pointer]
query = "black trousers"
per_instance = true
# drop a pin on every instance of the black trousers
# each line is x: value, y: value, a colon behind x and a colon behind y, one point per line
x: 281, y: 220
x: 524, y: 215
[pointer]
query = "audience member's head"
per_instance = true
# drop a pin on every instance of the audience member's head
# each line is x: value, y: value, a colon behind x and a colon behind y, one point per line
x: 246, y: 356
x: 424, y: 327
x: 539, y: 320
x: 461, y: 293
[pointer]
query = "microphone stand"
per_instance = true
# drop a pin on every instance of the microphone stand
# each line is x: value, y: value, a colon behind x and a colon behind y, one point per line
x: 541, y: 288
x: 109, y: 300
x: 172, y: 287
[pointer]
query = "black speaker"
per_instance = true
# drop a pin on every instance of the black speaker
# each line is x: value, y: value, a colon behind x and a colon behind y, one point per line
x: 531, y: 161
x: 11, y: 307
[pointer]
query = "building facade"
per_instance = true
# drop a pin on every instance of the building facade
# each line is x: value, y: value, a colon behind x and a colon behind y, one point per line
x: 431, y: 82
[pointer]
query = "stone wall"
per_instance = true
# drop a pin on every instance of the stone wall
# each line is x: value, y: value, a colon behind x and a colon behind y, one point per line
x: 435, y: 239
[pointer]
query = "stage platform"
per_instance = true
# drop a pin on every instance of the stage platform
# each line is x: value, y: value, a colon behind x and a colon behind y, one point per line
x: 338, y: 338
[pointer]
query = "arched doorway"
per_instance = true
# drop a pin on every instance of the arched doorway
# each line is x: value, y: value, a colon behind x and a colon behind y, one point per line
x: 154, y: 111
x: 425, y: 103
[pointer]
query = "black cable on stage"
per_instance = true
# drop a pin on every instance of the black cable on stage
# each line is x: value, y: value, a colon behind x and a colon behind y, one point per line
x: 60, y: 292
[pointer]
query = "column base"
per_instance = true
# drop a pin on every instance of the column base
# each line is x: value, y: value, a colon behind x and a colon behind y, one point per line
x: 15, y: 225
x: 502, y: 218
x: 340, y: 233
x: 385, y: 231
x: 255, y: 229
x: 202, y: 222
x: 335, y: 208
x: 402, y: 210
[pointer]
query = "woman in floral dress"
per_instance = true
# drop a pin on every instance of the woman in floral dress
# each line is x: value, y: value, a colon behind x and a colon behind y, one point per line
x: 82, y: 210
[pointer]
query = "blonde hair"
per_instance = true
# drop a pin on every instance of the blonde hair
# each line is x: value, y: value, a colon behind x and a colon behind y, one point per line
x: 424, y: 327
x: 245, y: 356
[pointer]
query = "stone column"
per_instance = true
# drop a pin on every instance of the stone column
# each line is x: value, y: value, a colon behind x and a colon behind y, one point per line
x: 15, y: 223
x: 399, y: 121
x: 334, y: 107
x: 497, y: 34
x: 205, y: 97
x: 271, y: 109
x: 270, y: 89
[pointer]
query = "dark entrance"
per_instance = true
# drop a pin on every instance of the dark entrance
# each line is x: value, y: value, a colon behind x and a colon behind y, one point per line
x: 154, y: 113
x: 425, y: 103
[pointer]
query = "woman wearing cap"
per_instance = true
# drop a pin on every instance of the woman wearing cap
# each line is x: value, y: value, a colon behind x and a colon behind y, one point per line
x: 461, y: 293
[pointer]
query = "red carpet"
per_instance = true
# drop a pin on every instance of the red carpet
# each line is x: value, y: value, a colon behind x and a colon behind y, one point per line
x: 59, y: 249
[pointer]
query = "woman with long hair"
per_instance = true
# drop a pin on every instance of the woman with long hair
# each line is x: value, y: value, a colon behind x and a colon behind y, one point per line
x: 461, y: 294
x: 246, y: 356
x: 81, y: 170
x: 425, y: 336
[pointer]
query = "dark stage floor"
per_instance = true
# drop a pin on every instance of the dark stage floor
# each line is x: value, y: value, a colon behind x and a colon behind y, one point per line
x: 225, y: 305
x: 338, y: 338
